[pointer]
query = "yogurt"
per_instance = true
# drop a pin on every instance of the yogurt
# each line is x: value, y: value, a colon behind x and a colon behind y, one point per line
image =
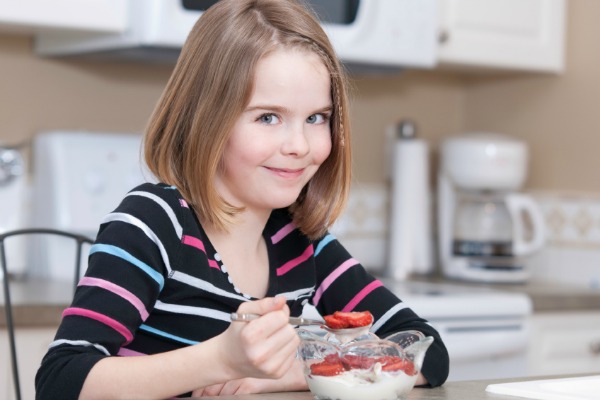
x: 361, y: 385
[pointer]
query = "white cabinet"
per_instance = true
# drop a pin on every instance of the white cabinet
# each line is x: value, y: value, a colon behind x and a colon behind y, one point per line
x: 523, y: 35
x: 565, y: 343
x: 30, y: 16
x: 32, y: 344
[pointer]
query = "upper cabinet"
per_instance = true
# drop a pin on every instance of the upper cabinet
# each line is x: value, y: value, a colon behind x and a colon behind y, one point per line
x: 523, y: 35
x: 519, y: 35
x: 34, y: 16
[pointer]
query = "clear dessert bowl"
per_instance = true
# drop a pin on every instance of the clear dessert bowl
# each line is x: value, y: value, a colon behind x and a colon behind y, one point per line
x: 364, y: 368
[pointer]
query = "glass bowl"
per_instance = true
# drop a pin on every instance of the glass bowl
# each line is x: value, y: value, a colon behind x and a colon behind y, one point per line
x: 366, y: 367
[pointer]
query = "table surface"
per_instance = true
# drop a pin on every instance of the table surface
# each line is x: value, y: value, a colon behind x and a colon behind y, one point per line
x: 464, y: 390
x: 459, y: 390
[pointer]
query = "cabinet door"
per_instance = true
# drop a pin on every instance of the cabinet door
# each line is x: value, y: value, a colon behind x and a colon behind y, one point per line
x: 6, y: 387
x: 32, y: 344
x: 28, y: 16
x: 504, y: 34
x: 565, y: 343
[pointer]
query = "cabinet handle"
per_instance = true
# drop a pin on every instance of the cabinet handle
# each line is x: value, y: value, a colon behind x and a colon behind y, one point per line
x: 595, y: 347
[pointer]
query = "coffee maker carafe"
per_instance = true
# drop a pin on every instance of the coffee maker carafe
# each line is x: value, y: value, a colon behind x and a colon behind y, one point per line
x: 486, y: 228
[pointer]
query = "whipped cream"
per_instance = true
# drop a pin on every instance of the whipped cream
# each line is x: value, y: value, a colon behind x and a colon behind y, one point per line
x: 359, y: 384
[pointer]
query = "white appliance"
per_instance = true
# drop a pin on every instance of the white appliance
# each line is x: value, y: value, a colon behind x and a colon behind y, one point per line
x: 486, y: 331
x: 79, y: 177
x: 371, y: 32
x: 13, y: 206
x: 486, y: 227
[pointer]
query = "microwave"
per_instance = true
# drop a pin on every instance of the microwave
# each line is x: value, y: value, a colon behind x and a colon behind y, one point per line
x: 393, y: 33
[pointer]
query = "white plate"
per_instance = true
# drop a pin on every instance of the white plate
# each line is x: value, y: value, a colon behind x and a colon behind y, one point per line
x: 583, y: 388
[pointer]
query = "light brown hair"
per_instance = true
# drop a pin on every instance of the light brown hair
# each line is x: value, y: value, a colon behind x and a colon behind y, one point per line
x: 210, y: 87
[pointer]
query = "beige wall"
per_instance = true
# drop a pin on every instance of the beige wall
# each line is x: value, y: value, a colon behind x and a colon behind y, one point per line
x: 40, y: 94
x: 556, y: 114
x: 559, y: 116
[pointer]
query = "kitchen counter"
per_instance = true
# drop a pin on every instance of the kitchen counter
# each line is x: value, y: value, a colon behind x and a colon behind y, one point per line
x: 39, y: 303
x: 545, y: 297
x: 463, y: 390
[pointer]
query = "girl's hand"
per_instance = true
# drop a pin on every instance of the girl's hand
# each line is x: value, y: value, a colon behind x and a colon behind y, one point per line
x: 262, y: 348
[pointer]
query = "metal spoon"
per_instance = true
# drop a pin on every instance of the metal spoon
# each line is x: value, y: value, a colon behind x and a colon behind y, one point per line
x: 293, y: 320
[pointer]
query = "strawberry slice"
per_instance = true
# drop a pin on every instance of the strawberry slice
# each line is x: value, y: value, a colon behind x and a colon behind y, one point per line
x: 352, y: 361
x: 354, y: 319
x: 334, y: 322
x: 392, y: 364
x: 328, y: 367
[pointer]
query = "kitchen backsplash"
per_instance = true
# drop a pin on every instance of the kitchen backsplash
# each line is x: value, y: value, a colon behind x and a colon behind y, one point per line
x: 571, y: 253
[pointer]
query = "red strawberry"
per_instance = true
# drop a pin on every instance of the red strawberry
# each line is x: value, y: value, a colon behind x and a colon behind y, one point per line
x: 332, y: 358
x: 327, y: 368
x: 392, y: 363
x: 333, y: 322
x: 352, y: 361
x: 354, y: 319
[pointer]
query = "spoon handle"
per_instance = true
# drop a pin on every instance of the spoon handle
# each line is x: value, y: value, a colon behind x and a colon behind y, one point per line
x: 293, y: 320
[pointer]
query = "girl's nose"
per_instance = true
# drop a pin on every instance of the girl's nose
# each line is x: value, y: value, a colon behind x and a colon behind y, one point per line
x: 296, y: 142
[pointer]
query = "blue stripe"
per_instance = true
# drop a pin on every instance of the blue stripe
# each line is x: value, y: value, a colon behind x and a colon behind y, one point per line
x: 147, y: 328
x: 324, y: 242
x: 119, y: 252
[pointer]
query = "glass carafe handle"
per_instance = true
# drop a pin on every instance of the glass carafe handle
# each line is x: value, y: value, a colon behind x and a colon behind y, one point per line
x: 518, y: 204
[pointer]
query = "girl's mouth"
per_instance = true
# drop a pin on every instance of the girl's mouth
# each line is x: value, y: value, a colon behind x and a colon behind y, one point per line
x: 286, y: 172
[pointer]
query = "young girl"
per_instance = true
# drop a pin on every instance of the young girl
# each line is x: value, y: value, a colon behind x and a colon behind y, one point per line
x: 251, y: 144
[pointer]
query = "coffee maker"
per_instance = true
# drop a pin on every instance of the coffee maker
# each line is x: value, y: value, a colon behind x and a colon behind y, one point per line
x: 486, y: 228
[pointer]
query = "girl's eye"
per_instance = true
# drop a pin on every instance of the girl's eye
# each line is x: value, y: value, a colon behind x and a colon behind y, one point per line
x: 268, y: 119
x: 317, y: 119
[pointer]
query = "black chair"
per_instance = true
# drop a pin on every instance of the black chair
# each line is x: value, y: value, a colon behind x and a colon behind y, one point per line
x: 80, y: 241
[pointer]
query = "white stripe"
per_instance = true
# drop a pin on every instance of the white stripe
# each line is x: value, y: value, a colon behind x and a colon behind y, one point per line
x: 297, y: 294
x: 386, y: 317
x: 136, y: 222
x: 163, y: 204
x: 190, y: 310
x: 79, y: 343
x: 203, y: 285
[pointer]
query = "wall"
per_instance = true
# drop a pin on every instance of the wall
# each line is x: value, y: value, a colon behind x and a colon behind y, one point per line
x: 41, y: 94
x: 557, y: 115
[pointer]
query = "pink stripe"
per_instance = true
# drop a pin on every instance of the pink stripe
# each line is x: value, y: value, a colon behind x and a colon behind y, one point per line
x: 125, y: 352
x: 283, y: 232
x: 194, y: 242
x: 285, y: 268
x: 108, y: 321
x: 197, y: 243
x: 332, y: 277
x: 362, y: 294
x: 119, y: 291
x: 183, y: 203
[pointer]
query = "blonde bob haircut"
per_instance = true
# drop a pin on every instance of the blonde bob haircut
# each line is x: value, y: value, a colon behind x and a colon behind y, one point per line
x: 210, y: 87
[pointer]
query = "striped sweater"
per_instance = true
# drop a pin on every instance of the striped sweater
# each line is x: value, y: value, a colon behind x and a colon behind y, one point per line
x: 155, y: 283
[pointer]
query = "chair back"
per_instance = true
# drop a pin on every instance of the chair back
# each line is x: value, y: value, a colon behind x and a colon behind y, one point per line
x: 80, y: 240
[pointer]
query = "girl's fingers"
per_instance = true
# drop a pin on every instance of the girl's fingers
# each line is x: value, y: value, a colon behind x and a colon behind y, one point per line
x: 262, y: 306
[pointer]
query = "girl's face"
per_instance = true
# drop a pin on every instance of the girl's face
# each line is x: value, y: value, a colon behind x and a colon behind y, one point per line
x: 283, y: 135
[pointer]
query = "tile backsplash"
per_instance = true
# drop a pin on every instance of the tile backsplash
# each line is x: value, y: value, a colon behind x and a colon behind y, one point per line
x: 572, y: 250
x: 571, y: 221
x: 571, y: 253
